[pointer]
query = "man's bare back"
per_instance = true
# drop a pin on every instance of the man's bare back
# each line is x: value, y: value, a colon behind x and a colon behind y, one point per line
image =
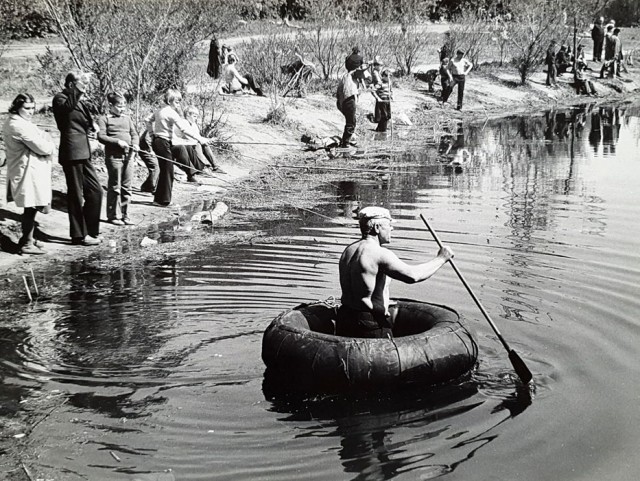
x: 365, y: 269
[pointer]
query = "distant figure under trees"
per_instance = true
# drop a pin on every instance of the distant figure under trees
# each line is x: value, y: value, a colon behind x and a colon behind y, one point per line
x: 597, y: 35
x: 213, y: 67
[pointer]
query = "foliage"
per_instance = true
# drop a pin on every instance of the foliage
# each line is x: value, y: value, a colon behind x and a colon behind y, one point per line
x: 407, y: 44
x: 625, y: 12
x: 328, y: 44
x: 140, y: 48
x: 24, y: 19
x: 535, y: 24
x: 471, y: 34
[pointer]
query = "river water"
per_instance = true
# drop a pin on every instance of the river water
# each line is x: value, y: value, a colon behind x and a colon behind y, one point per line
x: 154, y: 373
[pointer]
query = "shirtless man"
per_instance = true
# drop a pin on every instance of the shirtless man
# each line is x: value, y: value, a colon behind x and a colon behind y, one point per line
x: 365, y: 268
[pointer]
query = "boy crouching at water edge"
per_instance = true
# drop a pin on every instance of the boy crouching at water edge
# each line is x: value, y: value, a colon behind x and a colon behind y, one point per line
x: 118, y: 134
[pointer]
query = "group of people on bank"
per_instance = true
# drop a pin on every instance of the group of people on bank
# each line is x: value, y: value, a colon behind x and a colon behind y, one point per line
x: 169, y: 139
x: 453, y: 72
x: 607, y: 49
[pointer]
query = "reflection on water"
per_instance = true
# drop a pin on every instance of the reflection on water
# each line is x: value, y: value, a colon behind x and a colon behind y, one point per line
x: 160, y: 364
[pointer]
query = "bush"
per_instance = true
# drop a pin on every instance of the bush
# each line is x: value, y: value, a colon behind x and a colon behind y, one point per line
x: 25, y: 19
x: 140, y: 48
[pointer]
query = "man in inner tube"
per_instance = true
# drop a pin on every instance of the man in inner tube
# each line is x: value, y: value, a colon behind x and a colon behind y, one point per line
x: 365, y: 268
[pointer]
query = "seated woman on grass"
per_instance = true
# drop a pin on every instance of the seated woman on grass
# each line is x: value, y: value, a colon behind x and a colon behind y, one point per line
x: 233, y: 82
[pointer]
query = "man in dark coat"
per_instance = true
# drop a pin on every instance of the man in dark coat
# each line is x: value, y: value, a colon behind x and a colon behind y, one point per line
x: 213, y: 67
x: 550, y: 61
x: 597, y: 35
x: 84, y: 192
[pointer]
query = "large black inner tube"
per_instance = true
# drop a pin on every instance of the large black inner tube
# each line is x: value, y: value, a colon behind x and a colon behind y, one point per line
x: 431, y: 345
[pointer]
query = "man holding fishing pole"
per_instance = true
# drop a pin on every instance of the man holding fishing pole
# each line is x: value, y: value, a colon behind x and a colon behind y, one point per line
x: 161, y: 124
x: 365, y: 268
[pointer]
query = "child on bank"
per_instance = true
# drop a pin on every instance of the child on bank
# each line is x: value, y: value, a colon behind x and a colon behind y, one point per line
x: 118, y: 134
x: 382, y: 94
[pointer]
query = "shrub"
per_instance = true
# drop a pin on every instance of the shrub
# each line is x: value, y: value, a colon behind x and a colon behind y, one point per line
x: 142, y: 47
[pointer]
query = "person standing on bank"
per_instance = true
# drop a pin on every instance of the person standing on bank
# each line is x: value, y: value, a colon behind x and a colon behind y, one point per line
x: 162, y: 123
x: 347, y: 98
x: 459, y: 68
x: 28, y: 150
x: 550, y: 62
x: 77, y: 128
x: 365, y: 268
x: 597, y: 35
x: 120, y: 138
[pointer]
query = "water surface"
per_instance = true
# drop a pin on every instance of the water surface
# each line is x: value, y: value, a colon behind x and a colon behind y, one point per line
x: 155, y: 372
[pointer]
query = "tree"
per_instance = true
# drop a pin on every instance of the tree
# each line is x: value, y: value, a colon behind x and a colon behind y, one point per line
x: 140, y: 48
x: 535, y: 24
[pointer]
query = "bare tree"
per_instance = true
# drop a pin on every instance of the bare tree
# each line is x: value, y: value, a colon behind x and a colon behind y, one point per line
x: 535, y: 24
x: 141, y: 47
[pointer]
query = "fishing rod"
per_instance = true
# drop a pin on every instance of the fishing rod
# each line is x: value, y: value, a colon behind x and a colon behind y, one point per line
x: 258, y: 143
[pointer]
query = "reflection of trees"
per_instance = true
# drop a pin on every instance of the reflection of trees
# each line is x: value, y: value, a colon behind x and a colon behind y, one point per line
x: 384, y: 435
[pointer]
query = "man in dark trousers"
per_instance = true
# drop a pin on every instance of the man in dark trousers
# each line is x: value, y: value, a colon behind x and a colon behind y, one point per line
x: 550, y: 61
x: 597, y: 35
x: 459, y: 68
x: 84, y: 192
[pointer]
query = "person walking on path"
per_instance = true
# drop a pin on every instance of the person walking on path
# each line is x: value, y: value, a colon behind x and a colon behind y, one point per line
x: 365, y: 268
x: 597, y: 35
x: 28, y: 158
x: 459, y: 67
x: 77, y: 128
x: 550, y: 62
x: 120, y: 138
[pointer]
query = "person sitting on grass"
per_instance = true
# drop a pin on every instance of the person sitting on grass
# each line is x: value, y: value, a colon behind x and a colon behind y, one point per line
x: 120, y: 138
x: 233, y: 82
x: 583, y: 86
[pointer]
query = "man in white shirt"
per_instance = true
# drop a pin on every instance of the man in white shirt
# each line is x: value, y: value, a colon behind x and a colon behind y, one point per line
x: 347, y: 98
x: 459, y: 68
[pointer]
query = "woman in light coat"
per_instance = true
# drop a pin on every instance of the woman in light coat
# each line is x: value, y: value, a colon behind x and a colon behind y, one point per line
x: 28, y: 152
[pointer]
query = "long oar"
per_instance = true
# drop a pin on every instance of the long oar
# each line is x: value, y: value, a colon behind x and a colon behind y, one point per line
x: 518, y: 364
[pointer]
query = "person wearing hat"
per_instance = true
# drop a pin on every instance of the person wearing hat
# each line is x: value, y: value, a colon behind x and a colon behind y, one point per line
x: 365, y: 268
x: 353, y: 61
x: 347, y: 98
x: 459, y: 68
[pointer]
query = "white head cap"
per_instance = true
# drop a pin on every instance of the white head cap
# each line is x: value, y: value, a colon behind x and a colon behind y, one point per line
x: 373, y: 212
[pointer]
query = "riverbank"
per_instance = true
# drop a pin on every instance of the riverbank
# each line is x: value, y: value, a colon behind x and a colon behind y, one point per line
x: 258, y: 145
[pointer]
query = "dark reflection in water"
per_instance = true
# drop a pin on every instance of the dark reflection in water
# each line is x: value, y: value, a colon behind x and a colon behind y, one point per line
x: 367, y: 426
x: 173, y: 348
